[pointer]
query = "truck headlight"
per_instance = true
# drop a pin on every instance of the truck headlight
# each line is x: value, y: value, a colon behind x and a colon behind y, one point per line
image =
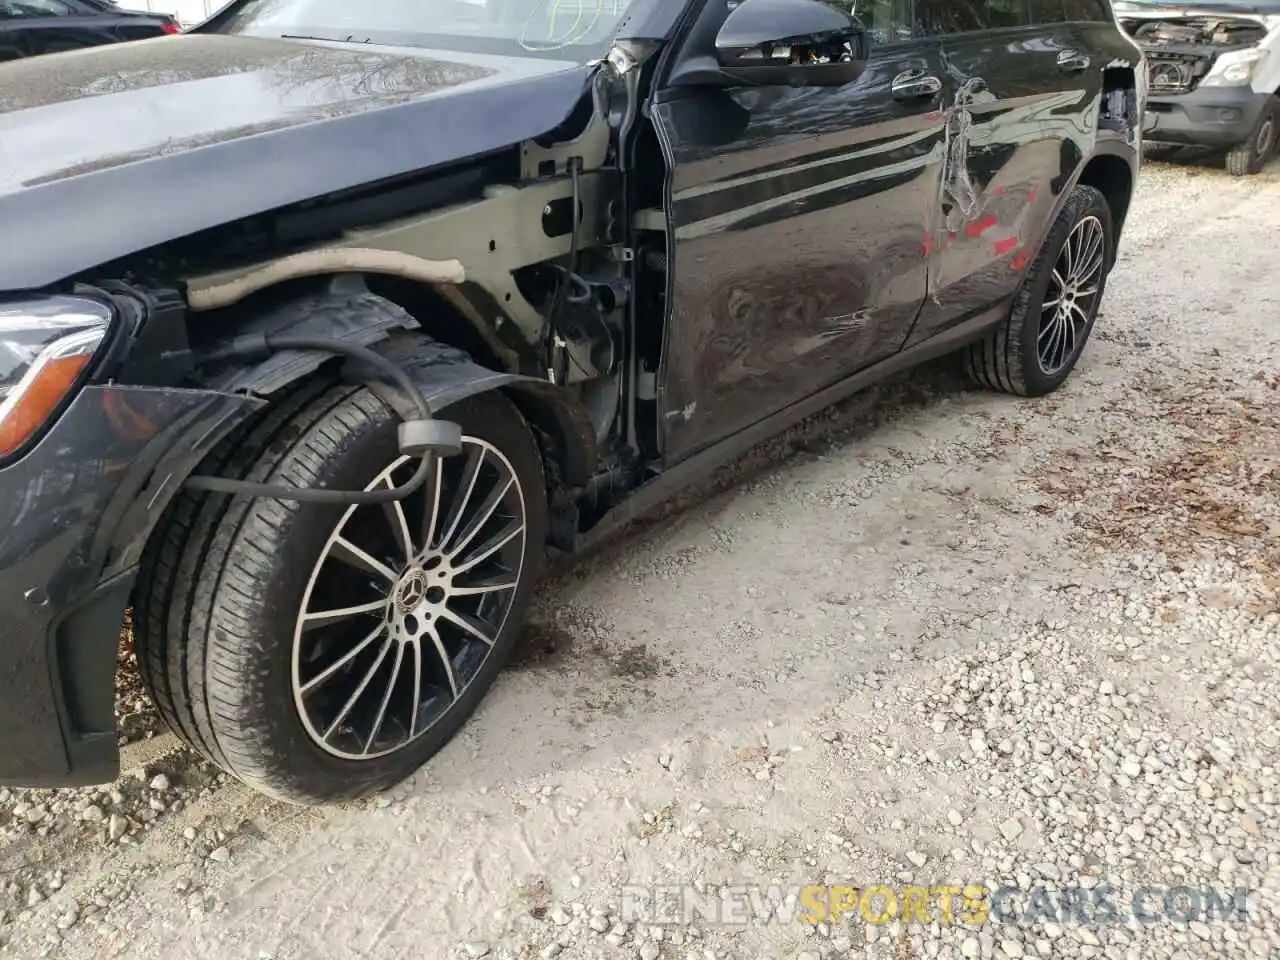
x: 1234, y: 69
x: 46, y: 347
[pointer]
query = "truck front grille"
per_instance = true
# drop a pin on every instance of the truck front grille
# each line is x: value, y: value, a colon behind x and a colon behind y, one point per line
x: 1175, y: 73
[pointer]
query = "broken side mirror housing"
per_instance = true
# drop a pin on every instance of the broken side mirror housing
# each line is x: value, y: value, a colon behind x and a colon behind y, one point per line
x: 800, y: 43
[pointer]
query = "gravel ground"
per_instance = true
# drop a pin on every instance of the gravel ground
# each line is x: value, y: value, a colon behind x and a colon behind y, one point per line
x: 933, y: 637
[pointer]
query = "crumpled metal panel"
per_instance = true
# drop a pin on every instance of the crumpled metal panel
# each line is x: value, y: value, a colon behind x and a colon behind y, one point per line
x: 85, y: 496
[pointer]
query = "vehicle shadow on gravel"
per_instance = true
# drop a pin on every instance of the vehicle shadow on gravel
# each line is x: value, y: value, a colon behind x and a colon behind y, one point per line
x: 547, y: 645
x: 591, y: 678
x: 828, y: 432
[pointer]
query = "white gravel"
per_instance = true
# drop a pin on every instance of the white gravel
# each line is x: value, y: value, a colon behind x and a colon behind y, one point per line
x: 936, y: 636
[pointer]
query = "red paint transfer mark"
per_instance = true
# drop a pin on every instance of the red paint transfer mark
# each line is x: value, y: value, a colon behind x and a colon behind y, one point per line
x: 926, y: 246
x: 997, y: 191
x: 979, y: 227
x: 1005, y: 245
x: 1019, y: 259
x: 1031, y: 195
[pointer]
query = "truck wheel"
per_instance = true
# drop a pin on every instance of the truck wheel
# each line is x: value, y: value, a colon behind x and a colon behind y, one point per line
x: 323, y: 653
x: 1252, y: 155
x: 1034, y: 350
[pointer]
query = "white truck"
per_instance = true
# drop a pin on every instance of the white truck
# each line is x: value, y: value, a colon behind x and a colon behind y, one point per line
x: 1214, y: 75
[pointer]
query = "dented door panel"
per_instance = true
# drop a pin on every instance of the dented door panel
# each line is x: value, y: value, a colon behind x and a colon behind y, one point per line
x: 1022, y: 116
x: 801, y: 219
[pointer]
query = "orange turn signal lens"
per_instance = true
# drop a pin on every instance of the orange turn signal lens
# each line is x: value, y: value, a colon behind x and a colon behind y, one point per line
x: 45, y: 348
x: 39, y: 400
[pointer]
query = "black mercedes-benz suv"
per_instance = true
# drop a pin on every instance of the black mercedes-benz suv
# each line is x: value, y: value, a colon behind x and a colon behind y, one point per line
x: 321, y: 323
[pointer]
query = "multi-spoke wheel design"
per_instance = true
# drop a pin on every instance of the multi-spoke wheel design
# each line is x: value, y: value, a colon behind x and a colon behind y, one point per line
x: 1035, y: 348
x: 1071, y: 299
x: 406, y: 602
x: 323, y: 653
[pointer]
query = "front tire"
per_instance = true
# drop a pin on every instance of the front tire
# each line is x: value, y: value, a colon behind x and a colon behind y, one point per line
x: 1036, y: 347
x: 1251, y: 156
x: 320, y: 653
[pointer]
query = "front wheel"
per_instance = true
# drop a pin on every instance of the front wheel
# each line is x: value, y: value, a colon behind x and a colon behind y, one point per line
x: 1035, y: 348
x: 323, y: 653
x: 1251, y: 156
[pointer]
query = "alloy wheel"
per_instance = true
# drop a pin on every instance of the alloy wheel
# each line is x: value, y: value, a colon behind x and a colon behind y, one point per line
x: 1072, y: 296
x: 406, y: 602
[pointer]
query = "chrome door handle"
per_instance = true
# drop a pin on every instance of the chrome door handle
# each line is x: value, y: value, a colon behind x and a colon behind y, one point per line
x: 914, y: 84
x: 1072, y: 61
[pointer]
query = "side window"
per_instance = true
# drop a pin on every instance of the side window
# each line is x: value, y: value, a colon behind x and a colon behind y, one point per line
x: 1087, y: 10
x: 887, y: 21
x: 35, y: 8
x: 1007, y: 13
x: 1069, y: 11
x: 947, y: 17
x: 1049, y: 11
x: 936, y: 18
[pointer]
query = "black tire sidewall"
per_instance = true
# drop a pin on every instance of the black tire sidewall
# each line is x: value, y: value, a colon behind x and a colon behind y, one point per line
x: 1259, y: 156
x: 1082, y: 202
x: 1246, y: 160
x: 290, y: 764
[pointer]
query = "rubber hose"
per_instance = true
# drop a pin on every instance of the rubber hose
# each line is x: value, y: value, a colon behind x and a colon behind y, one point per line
x: 257, y: 346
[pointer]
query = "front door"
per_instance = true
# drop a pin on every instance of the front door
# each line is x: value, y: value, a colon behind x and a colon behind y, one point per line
x: 1024, y: 96
x: 801, y: 219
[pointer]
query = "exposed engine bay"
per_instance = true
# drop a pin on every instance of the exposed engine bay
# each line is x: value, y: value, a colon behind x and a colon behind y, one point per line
x: 1181, y: 50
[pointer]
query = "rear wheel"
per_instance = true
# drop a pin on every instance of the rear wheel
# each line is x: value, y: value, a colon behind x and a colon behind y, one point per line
x: 322, y: 653
x: 1036, y: 347
x: 1251, y: 156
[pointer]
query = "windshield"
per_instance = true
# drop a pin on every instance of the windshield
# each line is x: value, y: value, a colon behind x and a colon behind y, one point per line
x: 561, y: 29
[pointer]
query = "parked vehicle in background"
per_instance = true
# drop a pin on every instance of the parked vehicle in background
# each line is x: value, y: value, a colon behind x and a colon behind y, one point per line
x: 1214, y: 69
x: 29, y: 28
x: 329, y: 320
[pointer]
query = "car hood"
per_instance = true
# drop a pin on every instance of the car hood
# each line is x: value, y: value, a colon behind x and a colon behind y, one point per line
x: 115, y: 149
x: 1146, y: 10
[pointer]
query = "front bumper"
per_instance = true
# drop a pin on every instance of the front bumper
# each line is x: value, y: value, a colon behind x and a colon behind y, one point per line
x: 1220, y: 117
x: 75, y: 513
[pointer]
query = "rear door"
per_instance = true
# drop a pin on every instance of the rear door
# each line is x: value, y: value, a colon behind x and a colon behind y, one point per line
x: 1022, y: 115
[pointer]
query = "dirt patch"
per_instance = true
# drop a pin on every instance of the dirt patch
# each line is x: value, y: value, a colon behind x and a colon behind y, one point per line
x: 542, y: 646
x: 1212, y: 481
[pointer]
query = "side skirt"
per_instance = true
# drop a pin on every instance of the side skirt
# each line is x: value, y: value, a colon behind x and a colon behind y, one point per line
x: 662, y: 487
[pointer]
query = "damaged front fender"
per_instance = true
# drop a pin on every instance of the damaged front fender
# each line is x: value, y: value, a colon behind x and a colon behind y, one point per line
x: 75, y: 514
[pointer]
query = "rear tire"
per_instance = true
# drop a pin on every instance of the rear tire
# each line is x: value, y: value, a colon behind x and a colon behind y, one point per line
x: 235, y: 630
x: 1037, y: 346
x: 1251, y: 156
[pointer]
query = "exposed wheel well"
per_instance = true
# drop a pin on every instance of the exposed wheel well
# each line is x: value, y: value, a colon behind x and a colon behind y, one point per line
x: 1113, y: 178
x: 443, y: 318
x: 442, y: 314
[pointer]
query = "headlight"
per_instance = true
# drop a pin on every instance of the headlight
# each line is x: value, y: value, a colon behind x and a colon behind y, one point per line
x: 45, y: 347
x: 1234, y: 69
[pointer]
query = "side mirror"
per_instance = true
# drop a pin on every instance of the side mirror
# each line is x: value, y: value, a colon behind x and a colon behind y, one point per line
x: 801, y: 43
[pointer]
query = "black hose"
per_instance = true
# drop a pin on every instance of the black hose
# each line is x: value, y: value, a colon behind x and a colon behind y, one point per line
x: 259, y: 347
